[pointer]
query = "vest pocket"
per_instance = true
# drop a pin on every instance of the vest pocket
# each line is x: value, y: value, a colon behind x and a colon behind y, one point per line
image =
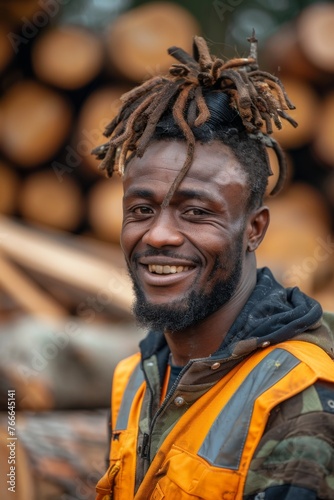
x: 118, y: 481
x: 188, y: 477
x: 105, y: 485
x: 158, y: 494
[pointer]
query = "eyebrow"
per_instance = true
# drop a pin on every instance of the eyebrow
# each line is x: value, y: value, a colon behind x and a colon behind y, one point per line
x: 195, y: 194
x: 139, y: 193
x: 191, y: 194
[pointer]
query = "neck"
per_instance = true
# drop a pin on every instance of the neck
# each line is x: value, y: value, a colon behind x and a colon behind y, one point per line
x: 204, y: 338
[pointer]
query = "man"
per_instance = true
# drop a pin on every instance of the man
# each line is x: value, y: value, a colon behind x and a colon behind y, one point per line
x: 232, y: 395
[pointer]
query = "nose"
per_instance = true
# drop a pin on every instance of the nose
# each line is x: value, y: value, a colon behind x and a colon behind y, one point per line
x: 163, y: 231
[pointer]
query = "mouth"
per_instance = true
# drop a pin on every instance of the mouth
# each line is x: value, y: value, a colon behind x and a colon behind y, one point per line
x: 167, y: 269
x: 163, y: 272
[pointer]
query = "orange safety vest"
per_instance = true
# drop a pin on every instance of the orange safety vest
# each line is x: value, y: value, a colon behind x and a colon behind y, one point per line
x: 208, y: 452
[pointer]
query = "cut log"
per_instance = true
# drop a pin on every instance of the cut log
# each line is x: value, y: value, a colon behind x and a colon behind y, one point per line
x: 283, y: 57
x: 138, y: 40
x: 295, y: 244
x: 26, y: 293
x: 105, y: 209
x: 45, y: 200
x: 8, y: 189
x: 108, y: 282
x: 97, y: 111
x: 36, y: 121
x: 68, y: 57
x: 316, y: 35
x: 324, y: 141
x: 302, y: 48
x: 306, y: 114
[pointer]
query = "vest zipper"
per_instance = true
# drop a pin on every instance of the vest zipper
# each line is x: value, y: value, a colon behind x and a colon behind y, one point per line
x: 145, y: 448
x: 147, y: 440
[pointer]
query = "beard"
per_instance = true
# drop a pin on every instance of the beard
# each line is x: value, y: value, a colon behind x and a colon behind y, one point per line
x: 196, y: 305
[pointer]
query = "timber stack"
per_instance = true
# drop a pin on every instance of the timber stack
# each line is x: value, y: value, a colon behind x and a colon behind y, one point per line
x: 65, y: 315
x: 61, y: 85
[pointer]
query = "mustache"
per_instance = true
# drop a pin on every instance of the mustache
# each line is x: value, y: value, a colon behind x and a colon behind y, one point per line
x: 155, y: 252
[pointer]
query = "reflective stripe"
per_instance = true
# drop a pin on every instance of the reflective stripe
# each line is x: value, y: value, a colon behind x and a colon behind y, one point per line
x: 225, y: 440
x: 135, y: 381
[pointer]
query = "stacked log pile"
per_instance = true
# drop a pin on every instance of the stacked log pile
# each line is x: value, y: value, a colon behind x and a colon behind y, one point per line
x: 299, y: 245
x: 60, y: 219
x: 61, y: 85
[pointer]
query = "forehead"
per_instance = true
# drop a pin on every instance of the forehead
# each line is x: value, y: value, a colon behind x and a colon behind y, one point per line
x: 214, y: 166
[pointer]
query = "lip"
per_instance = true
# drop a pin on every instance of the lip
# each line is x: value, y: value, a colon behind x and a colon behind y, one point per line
x: 153, y: 279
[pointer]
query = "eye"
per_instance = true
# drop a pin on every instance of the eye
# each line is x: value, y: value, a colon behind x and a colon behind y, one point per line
x: 142, y: 210
x: 195, y: 211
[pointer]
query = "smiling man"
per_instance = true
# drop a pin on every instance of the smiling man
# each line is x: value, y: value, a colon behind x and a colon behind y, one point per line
x: 232, y: 394
x: 188, y: 262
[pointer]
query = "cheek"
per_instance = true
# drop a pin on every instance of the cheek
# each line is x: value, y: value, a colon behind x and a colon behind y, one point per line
x: 125, y: 241
x: 130, y: 236
x: 225, y: 255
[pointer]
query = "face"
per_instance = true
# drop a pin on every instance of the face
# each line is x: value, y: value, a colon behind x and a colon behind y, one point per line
x: 185, y: 260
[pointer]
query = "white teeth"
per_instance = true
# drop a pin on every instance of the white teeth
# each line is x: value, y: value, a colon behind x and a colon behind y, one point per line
x: 159, y: 269
x: 155, y: 268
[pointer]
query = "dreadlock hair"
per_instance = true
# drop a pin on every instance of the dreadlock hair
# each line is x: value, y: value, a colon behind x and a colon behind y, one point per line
x: 203, y: 98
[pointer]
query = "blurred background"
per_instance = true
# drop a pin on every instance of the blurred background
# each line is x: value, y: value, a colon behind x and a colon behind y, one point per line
x: 65, y: 297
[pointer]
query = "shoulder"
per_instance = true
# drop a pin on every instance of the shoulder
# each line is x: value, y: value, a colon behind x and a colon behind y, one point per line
x: 302, y: 418
x: 301, y: 414
x: 307, y: 406
x: 297, y: 447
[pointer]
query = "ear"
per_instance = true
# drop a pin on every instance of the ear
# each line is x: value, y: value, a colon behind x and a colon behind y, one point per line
x: 258, y: 222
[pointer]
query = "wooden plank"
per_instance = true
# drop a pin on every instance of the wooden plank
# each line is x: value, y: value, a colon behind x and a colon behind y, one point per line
x: 36, y: 251
x: 26, y: 293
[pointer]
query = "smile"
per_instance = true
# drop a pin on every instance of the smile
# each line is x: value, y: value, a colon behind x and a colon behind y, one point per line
x: 160, y: 269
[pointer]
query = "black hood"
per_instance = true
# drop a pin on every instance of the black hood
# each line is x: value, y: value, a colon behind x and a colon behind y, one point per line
x: 273, y: 313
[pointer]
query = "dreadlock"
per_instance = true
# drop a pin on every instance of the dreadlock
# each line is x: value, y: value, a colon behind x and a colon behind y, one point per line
x: 203, y: 98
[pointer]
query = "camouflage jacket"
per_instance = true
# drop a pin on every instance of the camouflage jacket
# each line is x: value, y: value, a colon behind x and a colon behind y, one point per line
x: 295, y: 457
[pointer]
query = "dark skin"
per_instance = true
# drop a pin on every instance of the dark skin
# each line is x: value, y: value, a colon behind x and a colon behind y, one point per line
x: 204, y: 220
